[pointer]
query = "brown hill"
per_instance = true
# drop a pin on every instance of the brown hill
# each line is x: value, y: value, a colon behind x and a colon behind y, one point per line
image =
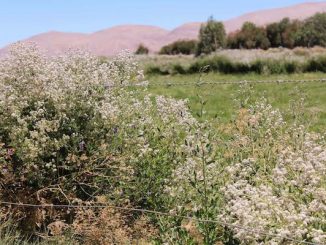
x: 56, y: 42
x: 112, y: 40
x: 263, y: 17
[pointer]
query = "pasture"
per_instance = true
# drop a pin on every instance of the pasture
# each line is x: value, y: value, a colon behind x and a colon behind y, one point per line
x: 220, y: 97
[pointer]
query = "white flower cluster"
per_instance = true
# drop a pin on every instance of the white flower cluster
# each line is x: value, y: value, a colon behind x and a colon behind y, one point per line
x: 177, y: 108
x: 277, y: 189
x: 196, y: 176
x: 52, y: 105
x: 287, y: 199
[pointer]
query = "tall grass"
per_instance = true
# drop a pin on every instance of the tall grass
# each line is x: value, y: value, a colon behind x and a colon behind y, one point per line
x: 226, y: 65
x: 316, y: 64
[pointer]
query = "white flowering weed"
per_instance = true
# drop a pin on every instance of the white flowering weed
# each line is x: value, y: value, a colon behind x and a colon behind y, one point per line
x: 72, y: 130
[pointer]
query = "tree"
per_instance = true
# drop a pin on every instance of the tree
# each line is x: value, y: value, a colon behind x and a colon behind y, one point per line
x: 142, y: 49
x: 186, y: 47
x: 283, y: 33
x: 232, y: 41
x: 250, y: 36
x: 274, y: 34
x: 313, y: 31
x: 212, y: 36
x: 290, y: 34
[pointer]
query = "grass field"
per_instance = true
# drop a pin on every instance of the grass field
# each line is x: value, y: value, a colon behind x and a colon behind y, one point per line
x: 220, y: 97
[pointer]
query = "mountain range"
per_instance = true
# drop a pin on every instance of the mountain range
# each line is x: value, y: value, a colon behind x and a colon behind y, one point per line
x: 110, y: 41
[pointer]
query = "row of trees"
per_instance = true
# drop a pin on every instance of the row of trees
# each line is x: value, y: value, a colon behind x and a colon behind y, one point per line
x: 285, y: 33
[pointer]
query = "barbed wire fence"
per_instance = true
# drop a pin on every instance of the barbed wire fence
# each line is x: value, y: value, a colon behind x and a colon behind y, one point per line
x: 144, y: 211
x: 222, y: 82
x: 168, y: 84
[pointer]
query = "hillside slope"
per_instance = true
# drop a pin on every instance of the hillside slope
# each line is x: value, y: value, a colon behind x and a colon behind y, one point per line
x: 110, y: 41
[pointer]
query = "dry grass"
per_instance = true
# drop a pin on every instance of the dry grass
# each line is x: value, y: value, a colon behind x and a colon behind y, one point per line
x: 108, y: 226
x: 298, y: 54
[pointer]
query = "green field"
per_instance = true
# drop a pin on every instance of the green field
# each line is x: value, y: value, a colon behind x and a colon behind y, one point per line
x: 220, y: 97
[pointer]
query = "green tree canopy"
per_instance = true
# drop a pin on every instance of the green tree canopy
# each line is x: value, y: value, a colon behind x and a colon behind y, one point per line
x: 250, y: 36
x: 180, y: 47
x: 283, y: 33
x: 212, y: 36
x: 313, y: 31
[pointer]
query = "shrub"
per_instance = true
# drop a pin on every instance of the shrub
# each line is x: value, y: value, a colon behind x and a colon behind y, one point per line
x: 275, y: 67
x: 185, y: 47
x: 71, y: 132
x: 178, y: 69
x: 317, y: 64
x: 262, y: 188
x: 224, y: 65
x: 142, y: 49
x: 157, y: 70
x: 215, y: 64
x: 272, y: 182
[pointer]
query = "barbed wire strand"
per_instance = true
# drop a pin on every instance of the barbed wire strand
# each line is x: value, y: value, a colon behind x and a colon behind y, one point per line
x: 200, y: 83
x: 170, y: 84
x: 251, y: 230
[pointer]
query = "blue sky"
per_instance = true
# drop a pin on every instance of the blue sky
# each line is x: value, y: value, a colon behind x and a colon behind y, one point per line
x: 20, y: 19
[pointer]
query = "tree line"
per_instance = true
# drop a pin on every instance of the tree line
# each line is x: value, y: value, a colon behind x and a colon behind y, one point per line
x: 285, y: 33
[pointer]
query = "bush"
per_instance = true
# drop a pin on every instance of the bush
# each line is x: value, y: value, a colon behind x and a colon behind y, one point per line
x: 225, y: 65
x: 277, y: 179
x: 142, y: 50
x: 272, y: 182
x: 317, y: 64
x: 178, y: 69
x: 275, y: 67
x: 215, y: 64
x: 71, y: 132
x: 157, y: 70
x: 185, y: 47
